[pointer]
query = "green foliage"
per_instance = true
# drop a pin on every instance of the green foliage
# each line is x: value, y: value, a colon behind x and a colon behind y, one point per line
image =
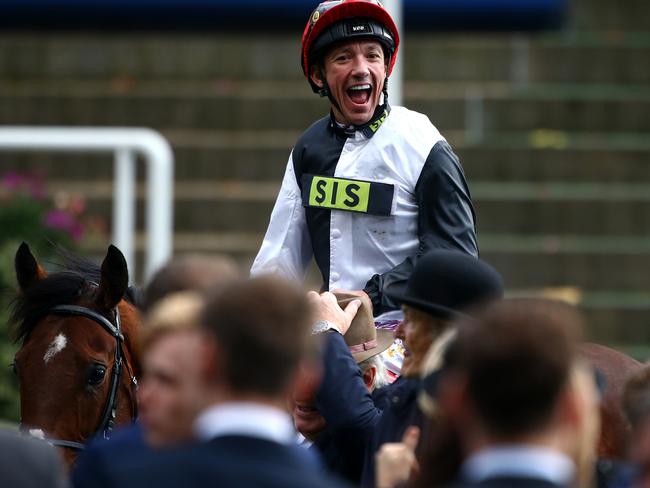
x: 26, y: 215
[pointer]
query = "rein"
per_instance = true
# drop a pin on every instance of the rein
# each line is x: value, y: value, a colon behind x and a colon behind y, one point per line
x: 110, y: 409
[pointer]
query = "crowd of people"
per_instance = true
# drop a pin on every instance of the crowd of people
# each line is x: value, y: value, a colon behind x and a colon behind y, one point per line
x: 255, y: 382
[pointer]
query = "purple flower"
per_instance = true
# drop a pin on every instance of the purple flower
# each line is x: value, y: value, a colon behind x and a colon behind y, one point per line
x: 12, y: 180
x: 32, y: 184
x: 63, y: 221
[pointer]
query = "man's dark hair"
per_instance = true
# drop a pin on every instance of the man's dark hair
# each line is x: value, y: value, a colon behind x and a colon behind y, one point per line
x: 262, y: 328
x: 517, y: 357
x: 189, y: 272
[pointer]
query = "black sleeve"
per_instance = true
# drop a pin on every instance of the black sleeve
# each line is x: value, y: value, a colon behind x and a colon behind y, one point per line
x: 446, y: 220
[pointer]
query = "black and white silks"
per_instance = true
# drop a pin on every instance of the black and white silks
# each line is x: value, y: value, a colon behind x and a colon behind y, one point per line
x: 431, y: 205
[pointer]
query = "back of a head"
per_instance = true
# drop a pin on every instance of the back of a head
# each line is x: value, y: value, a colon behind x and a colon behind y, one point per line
x: 189, y: 272
x: 517, y: 356
x: 175, y: 312
x: 262, y: 329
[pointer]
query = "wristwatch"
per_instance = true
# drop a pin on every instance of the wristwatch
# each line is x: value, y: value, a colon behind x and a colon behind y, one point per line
x: 323, y: 326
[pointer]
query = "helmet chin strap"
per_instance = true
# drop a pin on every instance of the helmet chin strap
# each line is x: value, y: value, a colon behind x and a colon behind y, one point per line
x: 326, y: 92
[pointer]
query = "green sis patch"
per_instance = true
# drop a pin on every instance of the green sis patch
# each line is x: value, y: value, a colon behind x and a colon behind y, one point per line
x: 346, y: 194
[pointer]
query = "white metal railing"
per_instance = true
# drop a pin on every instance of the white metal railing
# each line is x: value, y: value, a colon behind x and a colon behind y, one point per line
x: 125, y: 143
x: 395, y: 89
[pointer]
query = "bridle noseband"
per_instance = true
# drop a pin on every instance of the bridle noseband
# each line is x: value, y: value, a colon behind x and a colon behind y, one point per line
x: 110, y: 409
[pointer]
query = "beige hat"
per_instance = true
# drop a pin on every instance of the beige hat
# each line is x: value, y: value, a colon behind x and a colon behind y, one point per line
x: 362, y: 338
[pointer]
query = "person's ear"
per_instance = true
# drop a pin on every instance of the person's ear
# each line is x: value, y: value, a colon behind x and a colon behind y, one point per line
x: 453, y: 398
x: 306, y: 379
x: 579, y: 397
x: 211, y: 360
x: 369, y: 376
x: 316, y: 76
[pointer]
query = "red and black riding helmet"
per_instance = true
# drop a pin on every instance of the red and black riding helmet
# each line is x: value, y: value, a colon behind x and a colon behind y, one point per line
x: 338, y: 20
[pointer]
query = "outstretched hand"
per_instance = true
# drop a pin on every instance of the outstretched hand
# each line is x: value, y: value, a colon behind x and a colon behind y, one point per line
x: 326, y: 307
x: 395, y: 461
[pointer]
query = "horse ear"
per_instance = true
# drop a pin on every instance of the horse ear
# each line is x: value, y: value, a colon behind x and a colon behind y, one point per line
x: 114, y: 280
x: 28, y: 271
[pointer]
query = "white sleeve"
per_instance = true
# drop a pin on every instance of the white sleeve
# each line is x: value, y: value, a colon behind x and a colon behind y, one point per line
x: 286, y: 248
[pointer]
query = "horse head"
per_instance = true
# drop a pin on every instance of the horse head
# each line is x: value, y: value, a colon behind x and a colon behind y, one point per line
x: 77, y: 363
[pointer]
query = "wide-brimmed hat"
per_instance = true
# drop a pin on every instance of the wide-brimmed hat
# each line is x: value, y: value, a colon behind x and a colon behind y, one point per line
x: 362, y: 338
x: 445, y: 283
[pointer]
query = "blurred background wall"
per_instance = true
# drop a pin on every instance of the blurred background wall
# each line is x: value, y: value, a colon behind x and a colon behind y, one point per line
x: 551, y: 123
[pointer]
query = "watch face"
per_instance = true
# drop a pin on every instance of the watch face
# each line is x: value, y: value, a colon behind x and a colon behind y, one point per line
x: 320, y: 326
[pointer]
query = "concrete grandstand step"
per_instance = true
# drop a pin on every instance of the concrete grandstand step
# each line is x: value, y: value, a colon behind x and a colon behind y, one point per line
x: 594, y: 271
x: 567, y: 57
x: 533, y: 267
x: 88, y: 56
x: 605, y: 15
x: 555, y: 209
x: 572, y: 217
x: 615, y: 317
x: 534, y: 58
x: 289, y: 106
x: 536, y: 156
x: 584, y: 210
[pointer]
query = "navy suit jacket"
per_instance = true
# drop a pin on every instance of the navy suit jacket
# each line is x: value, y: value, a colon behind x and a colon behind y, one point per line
x: 341, y: 455
x: 227, y: 462
x: 401, y: 412
x: 349, y: 410
x: 101, y: 455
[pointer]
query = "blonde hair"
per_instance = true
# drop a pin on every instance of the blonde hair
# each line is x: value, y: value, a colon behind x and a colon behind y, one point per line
x: 176, y: 312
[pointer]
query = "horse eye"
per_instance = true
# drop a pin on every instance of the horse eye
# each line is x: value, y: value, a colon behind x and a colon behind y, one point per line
x: 96, y: 375
x: 14, y: 368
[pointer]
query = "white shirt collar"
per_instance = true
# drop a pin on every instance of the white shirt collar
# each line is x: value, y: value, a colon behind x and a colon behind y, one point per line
x: 520, y: 461
x: 302, y: 441
x: 247, y: 419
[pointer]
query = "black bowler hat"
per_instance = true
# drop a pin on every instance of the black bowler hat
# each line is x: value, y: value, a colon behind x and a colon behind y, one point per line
x: 444, y: 283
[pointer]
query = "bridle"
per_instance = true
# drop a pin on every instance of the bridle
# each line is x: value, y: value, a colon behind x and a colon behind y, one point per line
x: 107, y: 422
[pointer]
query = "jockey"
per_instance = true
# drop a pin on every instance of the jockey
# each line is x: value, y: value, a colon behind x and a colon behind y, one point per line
x: 368, y: 188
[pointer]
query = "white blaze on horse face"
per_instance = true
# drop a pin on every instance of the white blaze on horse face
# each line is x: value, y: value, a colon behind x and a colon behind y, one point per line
x: 58, y: 344
x: 38, y: 433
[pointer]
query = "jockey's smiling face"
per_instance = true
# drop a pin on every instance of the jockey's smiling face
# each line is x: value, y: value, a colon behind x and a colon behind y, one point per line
x: 355, y: 72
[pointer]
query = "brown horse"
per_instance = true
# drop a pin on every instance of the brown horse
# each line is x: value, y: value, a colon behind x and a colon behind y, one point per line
x: 77, y: 363
x: 614, y: 368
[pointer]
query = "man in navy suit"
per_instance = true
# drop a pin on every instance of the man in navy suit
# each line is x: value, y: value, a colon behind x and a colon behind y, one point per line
x: 355, y: 352
x: 256, y: 335
x: 523, y: 402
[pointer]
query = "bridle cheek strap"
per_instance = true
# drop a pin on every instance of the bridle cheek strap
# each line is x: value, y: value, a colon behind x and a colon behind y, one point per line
x: 110, y: 410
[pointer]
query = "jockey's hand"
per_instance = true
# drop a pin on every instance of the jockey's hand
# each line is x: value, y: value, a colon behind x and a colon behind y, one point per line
x: 325, y: 307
